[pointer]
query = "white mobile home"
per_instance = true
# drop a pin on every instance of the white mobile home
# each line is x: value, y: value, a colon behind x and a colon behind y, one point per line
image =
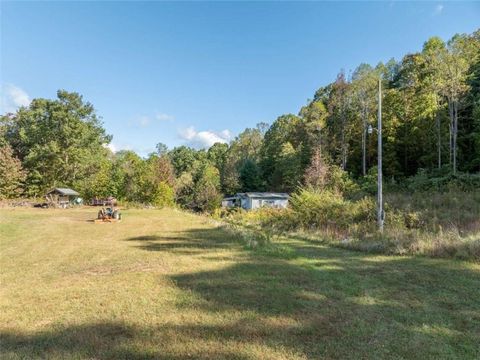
x: 257, y: 200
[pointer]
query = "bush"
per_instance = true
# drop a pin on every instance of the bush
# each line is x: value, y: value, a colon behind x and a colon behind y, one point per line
x: 429, y: 223
x: 443, y: 180
x: 164, y: 195
x: 314, y: 209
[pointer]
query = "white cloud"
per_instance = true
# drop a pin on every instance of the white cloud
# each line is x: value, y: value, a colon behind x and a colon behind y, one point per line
x: 117, y: 147
x: 226, y: 134
x: 164, y: 117
x: 204, y: 139
x: 13, y: 97
x: 438, y: 9
x: 110, y: 146
x: 188, y: 133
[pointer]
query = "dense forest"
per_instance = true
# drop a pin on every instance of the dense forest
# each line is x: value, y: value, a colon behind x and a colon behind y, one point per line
x: 431, y: 125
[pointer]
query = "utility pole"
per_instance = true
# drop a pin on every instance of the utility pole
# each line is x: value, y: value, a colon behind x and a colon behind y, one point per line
x: 380, y: 213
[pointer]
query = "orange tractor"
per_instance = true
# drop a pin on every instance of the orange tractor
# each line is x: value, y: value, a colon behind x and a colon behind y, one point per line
x: 108, y: 215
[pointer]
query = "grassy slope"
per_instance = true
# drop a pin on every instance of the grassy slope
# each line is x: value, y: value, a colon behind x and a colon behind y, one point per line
x: 166, y: 285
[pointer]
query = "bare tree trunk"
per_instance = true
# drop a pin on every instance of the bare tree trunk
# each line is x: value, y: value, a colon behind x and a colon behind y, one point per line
x: 450, y: 113
x: 364, y: 147
x: 344, y: 149
x: 439, y: 137
x: 455, y: 132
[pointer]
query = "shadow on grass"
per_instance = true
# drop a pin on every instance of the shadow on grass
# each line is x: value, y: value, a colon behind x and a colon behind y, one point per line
x: 323, y: 303
x: 186, y: 242
x: 379, y: 306
x: 113, y: 340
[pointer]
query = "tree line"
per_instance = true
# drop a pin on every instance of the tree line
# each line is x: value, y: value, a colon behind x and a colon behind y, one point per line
x: 431, y: 121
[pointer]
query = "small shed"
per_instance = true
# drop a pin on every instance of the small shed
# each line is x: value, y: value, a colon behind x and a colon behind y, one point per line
x: 257, y: 200
x: 61, y: 196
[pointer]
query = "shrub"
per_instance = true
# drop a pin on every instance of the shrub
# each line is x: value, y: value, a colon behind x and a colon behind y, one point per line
x: 442, y: 181
x: 314, y: 209
x: 11, y: 174
x: 164, y: 195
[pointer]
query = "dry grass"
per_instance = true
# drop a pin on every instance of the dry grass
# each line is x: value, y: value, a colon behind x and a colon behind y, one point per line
x: 169, y: 285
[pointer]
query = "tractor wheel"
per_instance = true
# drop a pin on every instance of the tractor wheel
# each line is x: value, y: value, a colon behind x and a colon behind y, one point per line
x: 116, y: 215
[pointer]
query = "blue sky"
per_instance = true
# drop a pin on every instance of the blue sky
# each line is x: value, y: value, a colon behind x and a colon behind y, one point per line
x: 195, y: 73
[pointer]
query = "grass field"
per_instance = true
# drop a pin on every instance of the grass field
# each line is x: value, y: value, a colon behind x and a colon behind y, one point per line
x: 167, y: 285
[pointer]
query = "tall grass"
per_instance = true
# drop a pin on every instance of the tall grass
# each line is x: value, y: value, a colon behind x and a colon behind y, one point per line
x: 425, y: 223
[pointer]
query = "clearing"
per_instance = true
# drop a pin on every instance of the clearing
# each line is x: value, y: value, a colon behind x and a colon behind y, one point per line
x: 163, y: 284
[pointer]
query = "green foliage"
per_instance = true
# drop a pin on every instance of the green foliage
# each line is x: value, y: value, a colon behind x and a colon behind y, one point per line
x: 11, y: 174
x: 443, y: 181
x: 368, y: 183
x: 162, y: 169
x: 206, y: 190
x: 431, y: 120
x: 163, y: 195
x: 184, y: 190
x: 245, y: 146
x: 58, y: 140
x: 281, y: 153
x: 250, y: 176
x: 315, y: 209
x: 217, y: 154
x: 428, y: 223
x: 182, y: 159
x: 100, y: 183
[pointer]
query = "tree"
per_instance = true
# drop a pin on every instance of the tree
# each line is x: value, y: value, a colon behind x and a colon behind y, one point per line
x: 207, y: 196
x: 364, y: 83
x: 316, y: 173
x: 57, y: 140
x: 184, y: 190
x: 288, y: 169
x: 130, y: 174
x: 433, y: 51
x: 251, y: 176
x: 282, y: 143
x: 162, y: 149
x: 182, y: 159
x: 163, y: 195
x: 101, y: 182
x: 11, y: 174
x: 162, y: 169
x: 454, y: 67
x: 247, y: 145
x: 217, y: 154
x: 339, y: 103
x: 308, y: 135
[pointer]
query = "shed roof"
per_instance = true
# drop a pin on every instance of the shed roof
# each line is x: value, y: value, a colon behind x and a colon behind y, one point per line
x: 64, y: 191
x: 269, y: 195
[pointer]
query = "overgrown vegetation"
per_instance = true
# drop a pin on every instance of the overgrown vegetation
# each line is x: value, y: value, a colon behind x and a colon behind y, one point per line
x: 427, y: 223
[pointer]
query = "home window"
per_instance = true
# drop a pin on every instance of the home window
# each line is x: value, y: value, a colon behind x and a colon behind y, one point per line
x: 267, y: 203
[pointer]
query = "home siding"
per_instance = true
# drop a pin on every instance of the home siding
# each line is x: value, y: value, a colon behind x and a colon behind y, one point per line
x: 246, y: 203
x: 256, y: 203
x: 267, y: 202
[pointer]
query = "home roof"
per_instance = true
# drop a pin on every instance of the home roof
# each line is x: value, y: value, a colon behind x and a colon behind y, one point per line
x: 265, y: 195
x: 64, y: 191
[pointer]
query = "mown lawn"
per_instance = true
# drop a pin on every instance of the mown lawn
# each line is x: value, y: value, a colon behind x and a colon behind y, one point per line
x: 167, y: 285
